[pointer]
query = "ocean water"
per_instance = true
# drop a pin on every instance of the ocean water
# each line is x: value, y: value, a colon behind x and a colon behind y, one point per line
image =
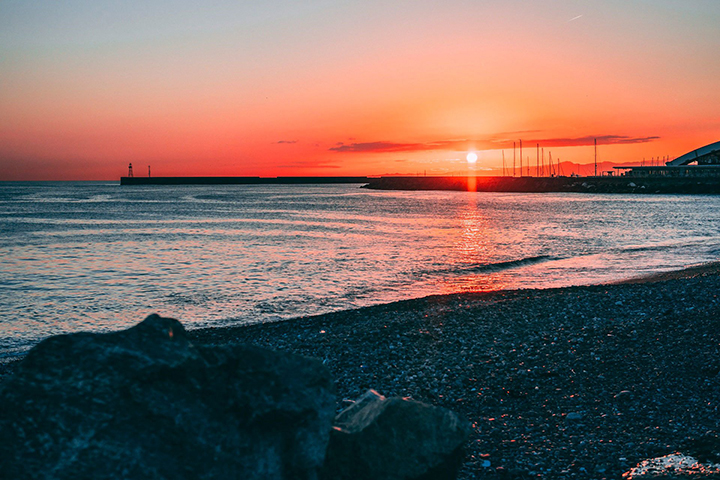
x: 100, y: 257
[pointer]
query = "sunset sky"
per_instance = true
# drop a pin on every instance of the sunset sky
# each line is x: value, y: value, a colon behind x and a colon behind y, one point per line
x: 349, y: 87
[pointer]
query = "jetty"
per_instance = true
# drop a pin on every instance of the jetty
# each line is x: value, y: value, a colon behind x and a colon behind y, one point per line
x: 592, y: 184
x: 131, y: 180
x: 645, y: 184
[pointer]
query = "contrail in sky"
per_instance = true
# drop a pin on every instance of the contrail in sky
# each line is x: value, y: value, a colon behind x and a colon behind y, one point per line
x: 574, y: 18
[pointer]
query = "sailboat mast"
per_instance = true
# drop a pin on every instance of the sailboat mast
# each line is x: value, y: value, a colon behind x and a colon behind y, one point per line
x: 596, y: 157
x: 521, y: 158
x: 552, y: 167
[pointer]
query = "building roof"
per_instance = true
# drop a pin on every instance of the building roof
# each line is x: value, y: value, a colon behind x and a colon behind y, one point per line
x: 668, y: 167
x: 695, y: 155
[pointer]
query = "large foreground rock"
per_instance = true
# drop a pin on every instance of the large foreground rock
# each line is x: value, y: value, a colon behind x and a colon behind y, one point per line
x: 395, y: 439
x: 146, y: 403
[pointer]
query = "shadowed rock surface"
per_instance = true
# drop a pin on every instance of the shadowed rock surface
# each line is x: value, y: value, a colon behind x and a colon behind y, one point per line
x: 147, y: 403
x: 395, y: 439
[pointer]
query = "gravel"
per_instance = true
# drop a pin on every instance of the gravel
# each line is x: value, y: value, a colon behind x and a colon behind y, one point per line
x: 580, y: 382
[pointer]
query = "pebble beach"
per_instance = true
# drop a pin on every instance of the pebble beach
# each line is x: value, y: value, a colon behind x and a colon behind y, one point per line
x: 579, y: 382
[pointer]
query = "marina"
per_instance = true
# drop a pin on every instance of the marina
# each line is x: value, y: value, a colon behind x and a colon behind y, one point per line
x: 696, y: 172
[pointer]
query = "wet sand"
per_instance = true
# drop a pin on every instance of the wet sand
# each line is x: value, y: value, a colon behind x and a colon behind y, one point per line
x: 704, y: 269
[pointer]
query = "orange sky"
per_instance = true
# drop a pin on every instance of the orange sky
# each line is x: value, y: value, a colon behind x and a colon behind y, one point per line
x: 349, y: 88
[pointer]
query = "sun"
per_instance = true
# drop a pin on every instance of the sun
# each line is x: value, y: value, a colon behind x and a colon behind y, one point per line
x: 472, y: 157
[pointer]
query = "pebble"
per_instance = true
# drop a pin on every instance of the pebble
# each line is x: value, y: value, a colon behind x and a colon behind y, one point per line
x: 623, y: 395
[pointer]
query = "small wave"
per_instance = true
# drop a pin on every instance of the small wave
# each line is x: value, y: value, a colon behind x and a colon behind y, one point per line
x: 494, y: 267
x: 683, y: 243
x: 13, y: 353
x: 650, y: 248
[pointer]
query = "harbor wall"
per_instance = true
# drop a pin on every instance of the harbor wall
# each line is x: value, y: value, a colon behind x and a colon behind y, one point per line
x: 622, y: 184
x: 239, y: 180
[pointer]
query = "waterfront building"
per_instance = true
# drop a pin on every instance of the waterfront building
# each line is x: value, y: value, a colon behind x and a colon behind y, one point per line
x: 702, y: 162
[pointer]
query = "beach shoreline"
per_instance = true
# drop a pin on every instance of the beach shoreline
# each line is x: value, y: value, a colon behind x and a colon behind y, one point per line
x: 581, y: 382
x: 692, y: 271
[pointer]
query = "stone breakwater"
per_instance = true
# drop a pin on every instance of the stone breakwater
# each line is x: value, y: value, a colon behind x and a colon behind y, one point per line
x: 647, y: 185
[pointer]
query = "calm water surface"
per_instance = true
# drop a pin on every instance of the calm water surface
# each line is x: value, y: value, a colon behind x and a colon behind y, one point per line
x: 97, y: 256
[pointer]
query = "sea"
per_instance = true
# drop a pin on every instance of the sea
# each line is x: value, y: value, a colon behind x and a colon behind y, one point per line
x: 97, y: 256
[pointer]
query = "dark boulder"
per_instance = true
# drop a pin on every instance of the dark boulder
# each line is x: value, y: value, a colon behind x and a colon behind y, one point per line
x: 146, y: 403
x: 393, y: 439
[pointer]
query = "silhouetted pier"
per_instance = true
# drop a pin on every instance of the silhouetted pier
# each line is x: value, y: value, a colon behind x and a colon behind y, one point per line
x: 239, y: 180
x: 599, y: 184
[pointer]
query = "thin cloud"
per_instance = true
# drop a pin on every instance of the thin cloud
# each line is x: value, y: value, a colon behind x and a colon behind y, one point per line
x: 285, y: 142
x: 310, y: 164
x: 376, y: 147
x: 590, y: 140
x: 575, y: 18
x: 384, y: 146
